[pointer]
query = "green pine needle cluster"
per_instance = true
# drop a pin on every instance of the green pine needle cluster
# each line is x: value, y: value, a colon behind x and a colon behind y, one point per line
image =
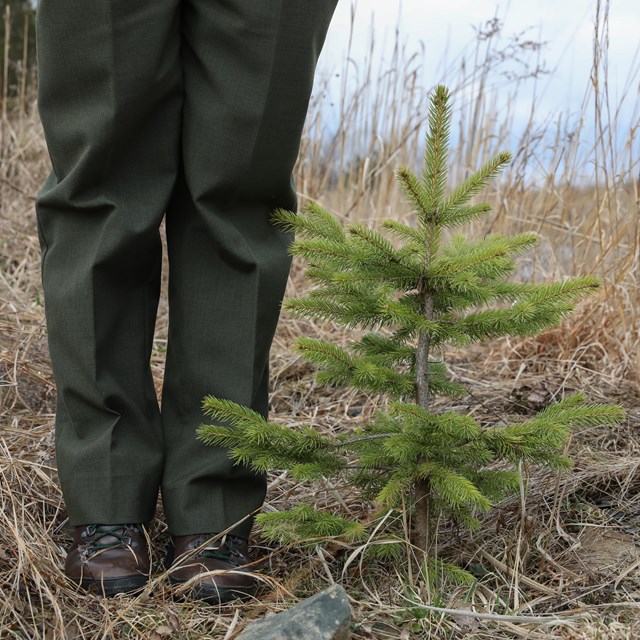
x: 304, y: 522
x: 414, y: 293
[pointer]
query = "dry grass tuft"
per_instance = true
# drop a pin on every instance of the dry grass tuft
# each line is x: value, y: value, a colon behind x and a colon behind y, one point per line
x: 561, y: 560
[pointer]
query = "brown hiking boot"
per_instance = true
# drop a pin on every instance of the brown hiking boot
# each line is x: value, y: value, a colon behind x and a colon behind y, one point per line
x: 226, y: 555
x: 109, y: 558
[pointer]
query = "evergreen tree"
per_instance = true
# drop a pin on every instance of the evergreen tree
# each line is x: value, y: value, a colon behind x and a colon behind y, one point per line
x: 415, y: 295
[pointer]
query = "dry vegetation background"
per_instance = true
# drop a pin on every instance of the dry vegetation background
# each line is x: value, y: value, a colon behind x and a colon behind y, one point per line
x: 562, y: 559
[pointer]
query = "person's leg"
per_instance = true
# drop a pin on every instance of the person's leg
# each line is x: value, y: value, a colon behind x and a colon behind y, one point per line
x: 110, y: 100
x: 248, y: 71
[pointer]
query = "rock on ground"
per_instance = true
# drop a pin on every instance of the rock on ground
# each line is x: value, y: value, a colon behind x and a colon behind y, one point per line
x: 325, y: 616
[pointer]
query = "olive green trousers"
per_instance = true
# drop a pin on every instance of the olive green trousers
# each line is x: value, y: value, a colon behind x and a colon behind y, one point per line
x: 192, y: 111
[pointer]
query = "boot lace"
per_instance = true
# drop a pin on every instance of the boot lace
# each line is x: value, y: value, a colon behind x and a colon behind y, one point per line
x: 118, y: 532
x: 227, y: 549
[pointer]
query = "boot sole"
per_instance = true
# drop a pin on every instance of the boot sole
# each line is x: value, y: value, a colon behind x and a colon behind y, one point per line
x: 217, y: 595
x: 113, y: 586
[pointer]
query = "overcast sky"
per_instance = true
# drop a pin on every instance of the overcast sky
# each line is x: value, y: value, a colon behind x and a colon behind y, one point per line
x: 447, y: 26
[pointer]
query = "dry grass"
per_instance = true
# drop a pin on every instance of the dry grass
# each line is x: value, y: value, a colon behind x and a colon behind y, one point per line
x: 558, y: 561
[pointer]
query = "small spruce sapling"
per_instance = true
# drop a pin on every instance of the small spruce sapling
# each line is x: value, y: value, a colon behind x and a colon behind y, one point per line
x: 416, y: 295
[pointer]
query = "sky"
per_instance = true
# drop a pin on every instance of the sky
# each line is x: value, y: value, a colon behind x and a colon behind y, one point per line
x: 446, y: 28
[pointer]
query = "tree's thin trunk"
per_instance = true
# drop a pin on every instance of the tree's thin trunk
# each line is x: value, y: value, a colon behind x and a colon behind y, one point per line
x: 422, y: 355
x: 422, y: 526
